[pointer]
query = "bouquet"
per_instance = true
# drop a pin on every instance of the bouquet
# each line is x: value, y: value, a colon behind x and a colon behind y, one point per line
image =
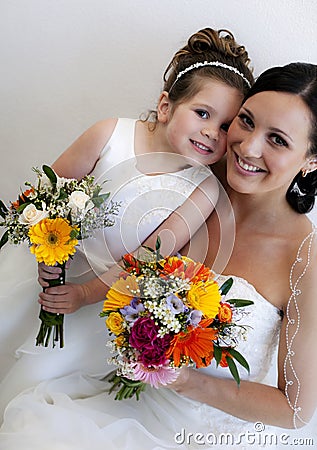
x: 52, y: 216
x: 165, y: 313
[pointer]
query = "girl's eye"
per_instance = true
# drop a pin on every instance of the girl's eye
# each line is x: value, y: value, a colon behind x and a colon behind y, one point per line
x: 278, y: 140
x: 202, y: 113
x: 246, y: 120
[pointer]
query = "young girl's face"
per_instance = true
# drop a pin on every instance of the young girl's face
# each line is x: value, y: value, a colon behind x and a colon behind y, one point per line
x: 197, y: 128
x: 268, y: 143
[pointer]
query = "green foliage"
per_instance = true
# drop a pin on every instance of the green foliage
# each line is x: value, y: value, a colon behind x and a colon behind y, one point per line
x: 239, y: 303
x: 4, y: 238
x: 224, y: 289
x: 51, y: 175
x: 125, y: 388
x: 3, y: 209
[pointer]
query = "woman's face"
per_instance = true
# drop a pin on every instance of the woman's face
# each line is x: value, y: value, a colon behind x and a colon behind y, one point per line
x: 268, y: 143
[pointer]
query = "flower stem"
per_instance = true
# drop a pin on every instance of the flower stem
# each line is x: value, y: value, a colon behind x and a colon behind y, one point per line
x: 50, y: 320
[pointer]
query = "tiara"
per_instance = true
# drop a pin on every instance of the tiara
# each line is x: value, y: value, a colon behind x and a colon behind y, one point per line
x: 211, y: 63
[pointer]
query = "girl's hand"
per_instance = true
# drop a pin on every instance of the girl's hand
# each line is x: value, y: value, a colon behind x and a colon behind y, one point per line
x: 64, y: 299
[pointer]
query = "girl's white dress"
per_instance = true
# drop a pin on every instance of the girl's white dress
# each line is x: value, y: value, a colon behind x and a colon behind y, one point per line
x: 145, y: 201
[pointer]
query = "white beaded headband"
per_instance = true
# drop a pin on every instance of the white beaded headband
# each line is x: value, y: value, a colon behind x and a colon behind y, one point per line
x: 211, y: 63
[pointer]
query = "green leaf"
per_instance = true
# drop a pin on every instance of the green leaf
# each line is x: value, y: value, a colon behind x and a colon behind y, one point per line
x: 157, y: 248
x: 239, y: 303
x: 3, y: 209
x: 217, y: 354
x: 233, y: 369
x: 51, y: 175
x: 237, y: 355
x: 74, y: 234
x: 20, y: 208
x: 224, y: 289
x: 62, y: 194
x: 4, y: 238
x: 100, y: 199
x: 150, y: 249
x: 96, y: 191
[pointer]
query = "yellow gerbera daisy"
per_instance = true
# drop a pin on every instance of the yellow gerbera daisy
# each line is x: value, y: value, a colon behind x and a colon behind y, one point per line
x: 205, y: 297
x: 121, y: 293
x: 52, y: 242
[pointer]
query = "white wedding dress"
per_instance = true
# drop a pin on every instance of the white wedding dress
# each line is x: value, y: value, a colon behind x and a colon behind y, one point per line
x: 75, y: 412
x: 145, y: 201
x: 69, y: 408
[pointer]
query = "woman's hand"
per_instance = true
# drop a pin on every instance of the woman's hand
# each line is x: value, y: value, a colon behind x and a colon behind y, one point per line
x: 63, y: 299
x: 181, y: 380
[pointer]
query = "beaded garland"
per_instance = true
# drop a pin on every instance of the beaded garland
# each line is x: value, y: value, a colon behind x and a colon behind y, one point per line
x: 291, y: 322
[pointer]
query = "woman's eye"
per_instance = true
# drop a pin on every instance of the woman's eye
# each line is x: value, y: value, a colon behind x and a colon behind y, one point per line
x: 278, y: 140
x: 202, y: 113
x: 225, y: 127
x: 246, y: 120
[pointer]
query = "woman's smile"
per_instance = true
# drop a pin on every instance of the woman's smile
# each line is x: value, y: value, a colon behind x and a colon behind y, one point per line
x: 247, y: 167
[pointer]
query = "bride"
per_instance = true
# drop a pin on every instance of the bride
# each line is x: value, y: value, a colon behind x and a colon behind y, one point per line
x: 270, y: 180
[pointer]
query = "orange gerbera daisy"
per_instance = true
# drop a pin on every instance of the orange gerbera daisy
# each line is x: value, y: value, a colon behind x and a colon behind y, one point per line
x: 52, y: 241
x: 174, y: 265
x: 131, y: 263
x: 121, y: 293
x: 197, y: 271
x: 205, y: 297
x: 196, y: 343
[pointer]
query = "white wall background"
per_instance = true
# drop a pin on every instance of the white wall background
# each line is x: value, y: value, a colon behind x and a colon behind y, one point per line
x: 67, y: 63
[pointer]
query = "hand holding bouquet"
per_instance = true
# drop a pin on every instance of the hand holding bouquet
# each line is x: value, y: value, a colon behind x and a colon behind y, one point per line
x: 52, y: 216
x: 165, y: 313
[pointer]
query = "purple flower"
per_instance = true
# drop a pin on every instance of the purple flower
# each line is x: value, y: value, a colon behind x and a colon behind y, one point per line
x: 175, y: 304
x: 195, y: 317
x: 143, y: 333
x: 152, y: 356
x: 155, y: 355
x: 131, y: 312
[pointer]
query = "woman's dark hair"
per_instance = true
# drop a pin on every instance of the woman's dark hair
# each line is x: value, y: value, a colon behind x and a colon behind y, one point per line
x: 298, y: 79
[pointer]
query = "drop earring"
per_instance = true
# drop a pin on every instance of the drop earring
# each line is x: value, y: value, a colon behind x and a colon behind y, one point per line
x: 304, y: 172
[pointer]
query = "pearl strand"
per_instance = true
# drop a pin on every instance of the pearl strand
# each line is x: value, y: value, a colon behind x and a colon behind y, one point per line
x: 289, y: 341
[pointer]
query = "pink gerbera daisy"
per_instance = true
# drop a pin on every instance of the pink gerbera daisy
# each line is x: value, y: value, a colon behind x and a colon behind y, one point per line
x: 155, y: 376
